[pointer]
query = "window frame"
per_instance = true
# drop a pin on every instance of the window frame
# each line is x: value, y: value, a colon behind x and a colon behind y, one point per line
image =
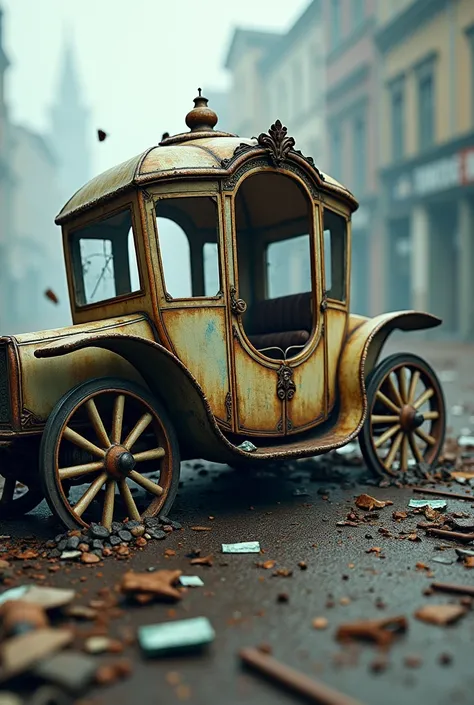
x: 397, y: 90
x: 167, y: 298
x: 333, y: 208
x: 81, y: 224
x: 426, y: 69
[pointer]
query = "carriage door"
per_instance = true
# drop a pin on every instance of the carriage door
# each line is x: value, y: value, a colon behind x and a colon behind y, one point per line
x: 274, y: 295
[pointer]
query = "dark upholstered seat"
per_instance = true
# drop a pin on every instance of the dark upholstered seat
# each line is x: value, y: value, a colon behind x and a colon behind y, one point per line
x: 281, y: 322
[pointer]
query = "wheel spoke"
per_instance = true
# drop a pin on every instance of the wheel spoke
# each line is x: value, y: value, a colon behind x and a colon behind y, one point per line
x: 403, y: 383
x: 430, y: 440
x: 77, y: 470
x: 393, y: 451
x: 376, y: 418
x: 394, y: 390
x: 147, y: 484
x: 8, y: 490
x: 431, y: 415
x: 415, y: 378
x: 81, y: 506
x: 388, y: 402
x: 97, y: 423
x: 404, y: 454
x: 117, y: 420
x: 136, y: 432
x: 414, y: 448
x: 82, y: 442
x: 154, y: 454
x: 385, y: 436
x: 132, y: 510
x: 427, y: 394
x: 108, y: 513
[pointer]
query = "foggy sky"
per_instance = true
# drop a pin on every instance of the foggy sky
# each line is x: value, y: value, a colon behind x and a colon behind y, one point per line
x: 140, y: 61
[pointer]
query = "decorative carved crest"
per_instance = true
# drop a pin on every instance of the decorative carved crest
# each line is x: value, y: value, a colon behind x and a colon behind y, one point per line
x: 280, y: 425
x: 237, y: 306
x: 286, y: 388
x: 277, y: 142
x: 228, y: 405
x: 29, y: 419
x: 242, y: 148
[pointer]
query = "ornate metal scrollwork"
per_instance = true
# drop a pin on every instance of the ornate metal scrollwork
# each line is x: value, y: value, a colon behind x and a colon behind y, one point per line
x: 242, y: 148
x: 289, y: 424
x: 324, y: 302
x: 29, y: 419
x: 228, y: 406
x: 237, y: 306
x: 279, y: 427
x: 286, y: 388
x: 277, y: 142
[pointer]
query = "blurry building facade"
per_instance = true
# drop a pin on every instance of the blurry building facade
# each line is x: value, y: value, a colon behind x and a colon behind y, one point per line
x: 351, y: 119
x: 281, y: 76
x: 426, y: 50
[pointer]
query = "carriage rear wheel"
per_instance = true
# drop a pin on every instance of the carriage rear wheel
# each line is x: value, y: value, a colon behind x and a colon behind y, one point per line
x: 109, y: 433
x: 406, y: 415
x: 17, y: 499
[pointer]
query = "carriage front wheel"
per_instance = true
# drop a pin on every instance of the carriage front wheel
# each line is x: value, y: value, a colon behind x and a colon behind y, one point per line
x: 115, y: 444
x: 406, y: 415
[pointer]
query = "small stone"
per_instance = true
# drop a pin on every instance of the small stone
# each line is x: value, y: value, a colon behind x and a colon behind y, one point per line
x: 379, y: 664
x: 152, y: 522
x: 116, y: 526
x: 125, y: 535
x: 97, y: 531
x: 168, y: 528
x: 445, y: 659
x: 133, y: 523
x: 90, y: 558
x: 81, y: 612
x: 96, y: 644
x: 122, y: 550
x: 105, y: 675
x: 97, y: 544
x: 55, y: 553
x: 156, y: 534
x: 84, y: 547
x: 73, y: 543
x: 283, y: 597
x: 69, y: 670
x: 147, y: 536
x: 107, y: 552
x: 58, y: 538
x: 137, y: 531
x: 412, y: 661
x: 70, y: 555
x: 302, y: 565
x: 114, y: 540
x: 141, y: 542
x: 176, y: 525
x: 164, y: 520
x: 62, y: 545
x: 320, y: 623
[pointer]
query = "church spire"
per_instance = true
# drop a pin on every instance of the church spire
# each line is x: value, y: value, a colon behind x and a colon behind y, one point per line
x: 69, y: 124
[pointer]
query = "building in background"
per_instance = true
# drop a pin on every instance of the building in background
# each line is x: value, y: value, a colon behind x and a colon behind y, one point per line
x: 427, y: 157
x: 351, y: 119
x: 219, y: 102
x: 69, y: 129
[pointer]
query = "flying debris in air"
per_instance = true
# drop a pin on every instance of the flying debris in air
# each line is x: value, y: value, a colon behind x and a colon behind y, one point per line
x: 101, y: 135
x: 49, y: 293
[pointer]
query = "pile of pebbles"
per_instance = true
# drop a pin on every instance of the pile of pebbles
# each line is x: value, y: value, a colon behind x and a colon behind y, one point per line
x: 98, y: 541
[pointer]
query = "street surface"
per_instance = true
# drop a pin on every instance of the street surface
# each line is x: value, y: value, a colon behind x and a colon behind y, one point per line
x: 241, y: 600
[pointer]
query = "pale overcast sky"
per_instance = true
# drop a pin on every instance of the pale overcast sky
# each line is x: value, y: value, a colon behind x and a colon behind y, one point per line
x: 140, y: 61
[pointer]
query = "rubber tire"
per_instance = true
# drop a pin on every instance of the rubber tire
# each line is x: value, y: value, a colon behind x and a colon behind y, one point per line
x: 19, y: 507
x: 57, y: 418
x: 373, y: 381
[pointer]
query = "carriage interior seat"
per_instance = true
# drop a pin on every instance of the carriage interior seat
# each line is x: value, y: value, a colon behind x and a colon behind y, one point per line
x: 282, y: 322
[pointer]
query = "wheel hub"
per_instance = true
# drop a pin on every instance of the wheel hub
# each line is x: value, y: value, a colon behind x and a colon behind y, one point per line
x: 119, y: 462
x: 410, y: 418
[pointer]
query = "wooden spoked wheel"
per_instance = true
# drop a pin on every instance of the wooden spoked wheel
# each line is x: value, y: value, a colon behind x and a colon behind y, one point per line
x: 103, y: 437
x: 406, y: 415
x: 16, y: 499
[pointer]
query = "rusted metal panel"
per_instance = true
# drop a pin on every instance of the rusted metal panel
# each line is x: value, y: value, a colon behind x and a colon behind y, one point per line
x: 308, y: 405
x: 43, y: 382
x: 335, y: 334
x: 199, y: 340
x: 259, y: 409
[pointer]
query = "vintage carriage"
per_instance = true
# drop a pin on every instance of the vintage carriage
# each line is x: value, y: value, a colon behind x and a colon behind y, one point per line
x: 258, y: 359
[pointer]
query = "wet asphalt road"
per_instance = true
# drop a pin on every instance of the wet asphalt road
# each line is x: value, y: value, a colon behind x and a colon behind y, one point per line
x: 241, y: 599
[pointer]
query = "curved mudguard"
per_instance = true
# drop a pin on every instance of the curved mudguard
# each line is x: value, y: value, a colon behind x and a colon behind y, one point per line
x: 197, y: 429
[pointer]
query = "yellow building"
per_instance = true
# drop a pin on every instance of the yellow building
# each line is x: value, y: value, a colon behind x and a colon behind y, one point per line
x: 426, y: 80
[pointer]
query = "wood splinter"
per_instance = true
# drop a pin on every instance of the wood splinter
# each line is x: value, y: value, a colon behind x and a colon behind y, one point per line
x: 451, y: 535
x: 381, y: 631
x: 443, y: 493
x: 454, y: 589
x: 314, y: 691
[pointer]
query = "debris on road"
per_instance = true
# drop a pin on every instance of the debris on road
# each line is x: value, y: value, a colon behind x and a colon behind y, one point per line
x: 453, y: 588
x: 320, y: 623
x: 203, y: 560
x: 69, y: 670
x: 365, y: 501
x: 266, y: 565
x: 245, y: 547
x: 432, y: 503
x: 443, y: 493
x: 440, y: 614
x: 191, y: 581
x: 312, y: 690
x: 381, y: 631
x: 159, y: 639
x: 160, y: 584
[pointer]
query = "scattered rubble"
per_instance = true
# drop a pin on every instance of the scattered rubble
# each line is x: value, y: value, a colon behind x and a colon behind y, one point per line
x: 440, y: 614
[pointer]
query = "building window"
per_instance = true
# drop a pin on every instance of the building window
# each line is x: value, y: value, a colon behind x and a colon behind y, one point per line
x: 398, y: 122
x: 360, y: 154
x: 336, y: 153
x: 335, y: 6
x: 426, y: 108
x: 358, y: 12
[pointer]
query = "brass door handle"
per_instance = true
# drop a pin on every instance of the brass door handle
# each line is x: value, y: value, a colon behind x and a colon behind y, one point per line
x: 237, y: 306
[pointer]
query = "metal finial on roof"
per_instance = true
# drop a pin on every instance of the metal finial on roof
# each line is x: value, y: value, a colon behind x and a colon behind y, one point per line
x: 201, y: 118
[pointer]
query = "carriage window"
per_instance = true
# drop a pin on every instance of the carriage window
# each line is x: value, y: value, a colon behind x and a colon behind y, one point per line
x: 188, y: 237
x: 288, y: 267
x: 104, y: 259
x: 335, y: 253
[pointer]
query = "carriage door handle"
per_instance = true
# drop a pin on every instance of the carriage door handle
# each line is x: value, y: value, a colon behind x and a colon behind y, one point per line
x: 237, y: 306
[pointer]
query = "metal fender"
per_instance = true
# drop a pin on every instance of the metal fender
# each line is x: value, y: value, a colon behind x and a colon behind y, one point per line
x: 359, y: 356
